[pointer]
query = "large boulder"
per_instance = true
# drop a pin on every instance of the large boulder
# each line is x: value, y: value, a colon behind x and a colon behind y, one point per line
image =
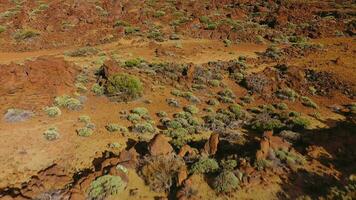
x: 159, y: 145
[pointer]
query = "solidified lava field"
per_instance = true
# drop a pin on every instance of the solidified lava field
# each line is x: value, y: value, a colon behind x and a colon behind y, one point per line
x: 177, y: 99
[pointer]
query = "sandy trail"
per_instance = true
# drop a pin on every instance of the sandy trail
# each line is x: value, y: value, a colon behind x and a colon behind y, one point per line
x: 188, y: 50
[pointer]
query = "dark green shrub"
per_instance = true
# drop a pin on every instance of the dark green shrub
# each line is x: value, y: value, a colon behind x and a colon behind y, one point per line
x: 124, y: 87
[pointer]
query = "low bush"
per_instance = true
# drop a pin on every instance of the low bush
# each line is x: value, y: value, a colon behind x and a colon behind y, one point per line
x: 98, y: 89
x: 24, y: 34
x: 51, y: 134
x: 264, y: 122
x: 105, y: 186
x: 173, y: 102
x: 68, y: 102
x: 144, y: 127
x: 130, y: 30
x: 141, y: 111
x: 116, y: 128
x: 82, y: 52
x: 287, y: 93
x: 308, y: 102
x: 204, y: 165
x: 53, y: 111
x: 159, y: 13
x: 191, y: 109
x: 84, y: 118
x: 300, y: 122
x: 134, y: 62
x: 161, y: 114
x: 133, y: 118
x: 226, y: 182
x: 2, y: 29
x: 124, y: 87
x: 85, y: 132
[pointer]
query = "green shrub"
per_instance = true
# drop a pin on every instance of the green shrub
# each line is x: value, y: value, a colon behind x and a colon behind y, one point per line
x: 130, y: 30
x: 53, y: 111
x: 81, y: 87
x: 116, y: 128
x: 262, y: 164
x: 272, y: 52
x: 84, y: 118
x: 51, y: 134
x: 204, y: 165
x: 141, y: 111
x: 228, y: 164
x: 161, y: 114
x: 144, y: 127
x: 159, y: 13
x: 119, y: 23
x: 134, y: 62
x: 105, y: 186
x: 134, y: 118
x: 300, y: 122
x: 308, y: 102
x: 287, y: 93
x: 97, y: 89
x: 213, y: 102
x: 247, y: 99
x: 68, y: 102
x: 25, y: 34
x: 2, y: 29
x: 264, y: 122
x: 236, y: 109
x: 282, y: 106
x: 191, y: 109
x: 227, y: 42
x: 82, y: 52
x: 226, y: 181
x: 214, y: 83
x: 124, y: 87
x: 85, y: 132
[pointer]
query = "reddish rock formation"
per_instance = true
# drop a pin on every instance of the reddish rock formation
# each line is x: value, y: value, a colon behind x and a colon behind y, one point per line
x: 211, y: 146
x: 159, y: 145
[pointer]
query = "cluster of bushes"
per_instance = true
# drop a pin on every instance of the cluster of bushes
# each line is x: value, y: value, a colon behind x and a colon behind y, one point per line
x: 142, y: 122
x: 68, y: 102
x: 88, y: 128
x: 187, y: 95
x: 181, y: 126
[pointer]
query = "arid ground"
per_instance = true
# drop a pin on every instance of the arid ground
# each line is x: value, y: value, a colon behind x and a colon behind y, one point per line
x: 177, y: 99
